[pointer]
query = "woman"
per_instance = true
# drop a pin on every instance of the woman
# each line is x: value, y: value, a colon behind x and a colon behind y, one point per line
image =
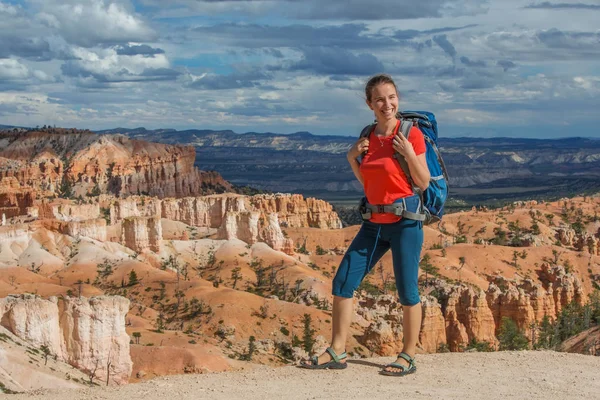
x: 384, y: 183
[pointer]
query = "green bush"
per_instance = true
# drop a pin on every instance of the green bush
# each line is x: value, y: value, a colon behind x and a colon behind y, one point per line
x: 510, y: 337
x: 484, y: 346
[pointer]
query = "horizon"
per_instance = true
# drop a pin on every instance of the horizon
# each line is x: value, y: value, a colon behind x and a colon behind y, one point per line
x: 104, y: 131
x: 288, y: 66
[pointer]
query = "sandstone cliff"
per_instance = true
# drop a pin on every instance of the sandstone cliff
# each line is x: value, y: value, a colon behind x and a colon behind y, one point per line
x: 14, y: 200
x: 106, y: 163
x: 248, y: 218
x: 87, y: 333
x: 461, y: 314
x: 296, y: 212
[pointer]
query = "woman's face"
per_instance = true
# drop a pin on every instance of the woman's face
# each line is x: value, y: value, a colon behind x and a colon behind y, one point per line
x: 384, y: 101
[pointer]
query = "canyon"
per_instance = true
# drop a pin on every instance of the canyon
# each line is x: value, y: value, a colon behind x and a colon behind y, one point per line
x: 491, y: 170
x: 126, y: 286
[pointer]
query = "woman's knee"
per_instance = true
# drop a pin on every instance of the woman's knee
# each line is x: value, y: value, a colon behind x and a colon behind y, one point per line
x: 408, y: 294
x: 410, y: 299
x: 341, y: 287
x: 344, y: 284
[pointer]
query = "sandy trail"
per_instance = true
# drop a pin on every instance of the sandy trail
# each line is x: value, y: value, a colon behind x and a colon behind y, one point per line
x: 500, y: 375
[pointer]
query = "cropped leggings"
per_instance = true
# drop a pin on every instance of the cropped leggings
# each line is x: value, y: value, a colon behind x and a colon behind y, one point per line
x: 404, y: 237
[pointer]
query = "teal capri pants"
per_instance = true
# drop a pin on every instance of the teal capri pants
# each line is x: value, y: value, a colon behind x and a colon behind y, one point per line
x: 404, y: 237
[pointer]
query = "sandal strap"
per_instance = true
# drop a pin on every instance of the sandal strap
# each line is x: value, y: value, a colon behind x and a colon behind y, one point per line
x: 396, y: 365
x: 334, y: 356
x: 406, y: 357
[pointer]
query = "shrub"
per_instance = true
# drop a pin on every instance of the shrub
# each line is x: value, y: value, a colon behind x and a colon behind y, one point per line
x: 510, y: 337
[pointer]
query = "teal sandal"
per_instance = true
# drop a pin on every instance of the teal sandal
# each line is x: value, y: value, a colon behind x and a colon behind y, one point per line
x: 404, y: 370
x: 334, y: 363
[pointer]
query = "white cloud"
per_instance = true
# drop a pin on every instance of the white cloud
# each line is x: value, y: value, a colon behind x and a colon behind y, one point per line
x: 13, y: 70
x: 8, y: 9
x: 107, y: 62
x: 89, y: 23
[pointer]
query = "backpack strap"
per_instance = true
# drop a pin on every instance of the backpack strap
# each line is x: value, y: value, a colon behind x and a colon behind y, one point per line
x: 405, y: 127
x: 366, y: 131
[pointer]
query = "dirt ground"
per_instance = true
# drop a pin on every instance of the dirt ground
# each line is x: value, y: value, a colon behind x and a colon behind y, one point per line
x: 500, y: 375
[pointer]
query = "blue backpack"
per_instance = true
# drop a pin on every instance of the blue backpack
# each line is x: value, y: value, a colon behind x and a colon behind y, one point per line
x: 434, y: 197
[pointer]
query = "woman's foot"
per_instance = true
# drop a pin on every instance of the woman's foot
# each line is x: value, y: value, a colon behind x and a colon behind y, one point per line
x: 404, y: 365
x: 330, y: 359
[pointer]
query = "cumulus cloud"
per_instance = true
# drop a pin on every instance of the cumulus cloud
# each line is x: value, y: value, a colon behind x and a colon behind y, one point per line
x: 235, y: 80
x: 90, y: 23
x: 104, y: 66
x: 13, y: 70
x: 15, y: 75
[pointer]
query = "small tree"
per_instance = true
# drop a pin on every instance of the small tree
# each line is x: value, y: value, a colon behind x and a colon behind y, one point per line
x: 92, y: 371
x: 46, y: 350
x: 556, y: 256
x: 133, y: 278
x: 428, y: 267
x: 95, y: 191
x: 320, y: 251
x: 137, y: 336
x: 547, y: 337
x: 515, y: 259
x: 462, y: 262
x: 251, y: 349
x: 385, y: 277
x: 236, y: 275
x: 510, y: 337
x: 65, y: 190
x: 160, y: 323
x: 79, y: 286
x: 308, y: 333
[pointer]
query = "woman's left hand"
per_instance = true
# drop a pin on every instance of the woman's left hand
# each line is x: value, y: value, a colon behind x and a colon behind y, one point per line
x: 403, y: 146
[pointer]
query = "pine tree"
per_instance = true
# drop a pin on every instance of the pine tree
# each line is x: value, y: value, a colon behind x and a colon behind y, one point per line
x: 133, y: 278
x: 308, y: 334
x: 510, y: 337
x: 547, y: 338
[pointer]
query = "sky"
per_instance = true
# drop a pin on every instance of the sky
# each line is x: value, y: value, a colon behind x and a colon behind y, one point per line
x: 485, y: 68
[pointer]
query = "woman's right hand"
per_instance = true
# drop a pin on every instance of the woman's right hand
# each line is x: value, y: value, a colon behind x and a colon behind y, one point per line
x: 359, y: 148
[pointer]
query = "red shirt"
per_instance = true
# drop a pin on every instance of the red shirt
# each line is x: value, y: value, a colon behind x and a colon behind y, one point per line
x: 383, y: 178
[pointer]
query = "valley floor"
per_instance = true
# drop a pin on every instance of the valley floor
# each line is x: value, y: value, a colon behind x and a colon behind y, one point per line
x: 489, y: 376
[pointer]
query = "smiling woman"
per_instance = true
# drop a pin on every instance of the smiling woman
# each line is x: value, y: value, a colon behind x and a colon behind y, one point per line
x: 387, y: 186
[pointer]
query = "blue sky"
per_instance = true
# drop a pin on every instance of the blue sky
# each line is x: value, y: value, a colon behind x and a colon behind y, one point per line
x: 520, y: 68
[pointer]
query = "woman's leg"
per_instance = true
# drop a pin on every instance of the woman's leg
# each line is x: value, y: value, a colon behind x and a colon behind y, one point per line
x: 364, y: 252
x: 343, y: 308
x: 406, y: 242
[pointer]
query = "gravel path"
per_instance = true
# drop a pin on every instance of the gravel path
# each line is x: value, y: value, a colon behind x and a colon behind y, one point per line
x: 488, y: 376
